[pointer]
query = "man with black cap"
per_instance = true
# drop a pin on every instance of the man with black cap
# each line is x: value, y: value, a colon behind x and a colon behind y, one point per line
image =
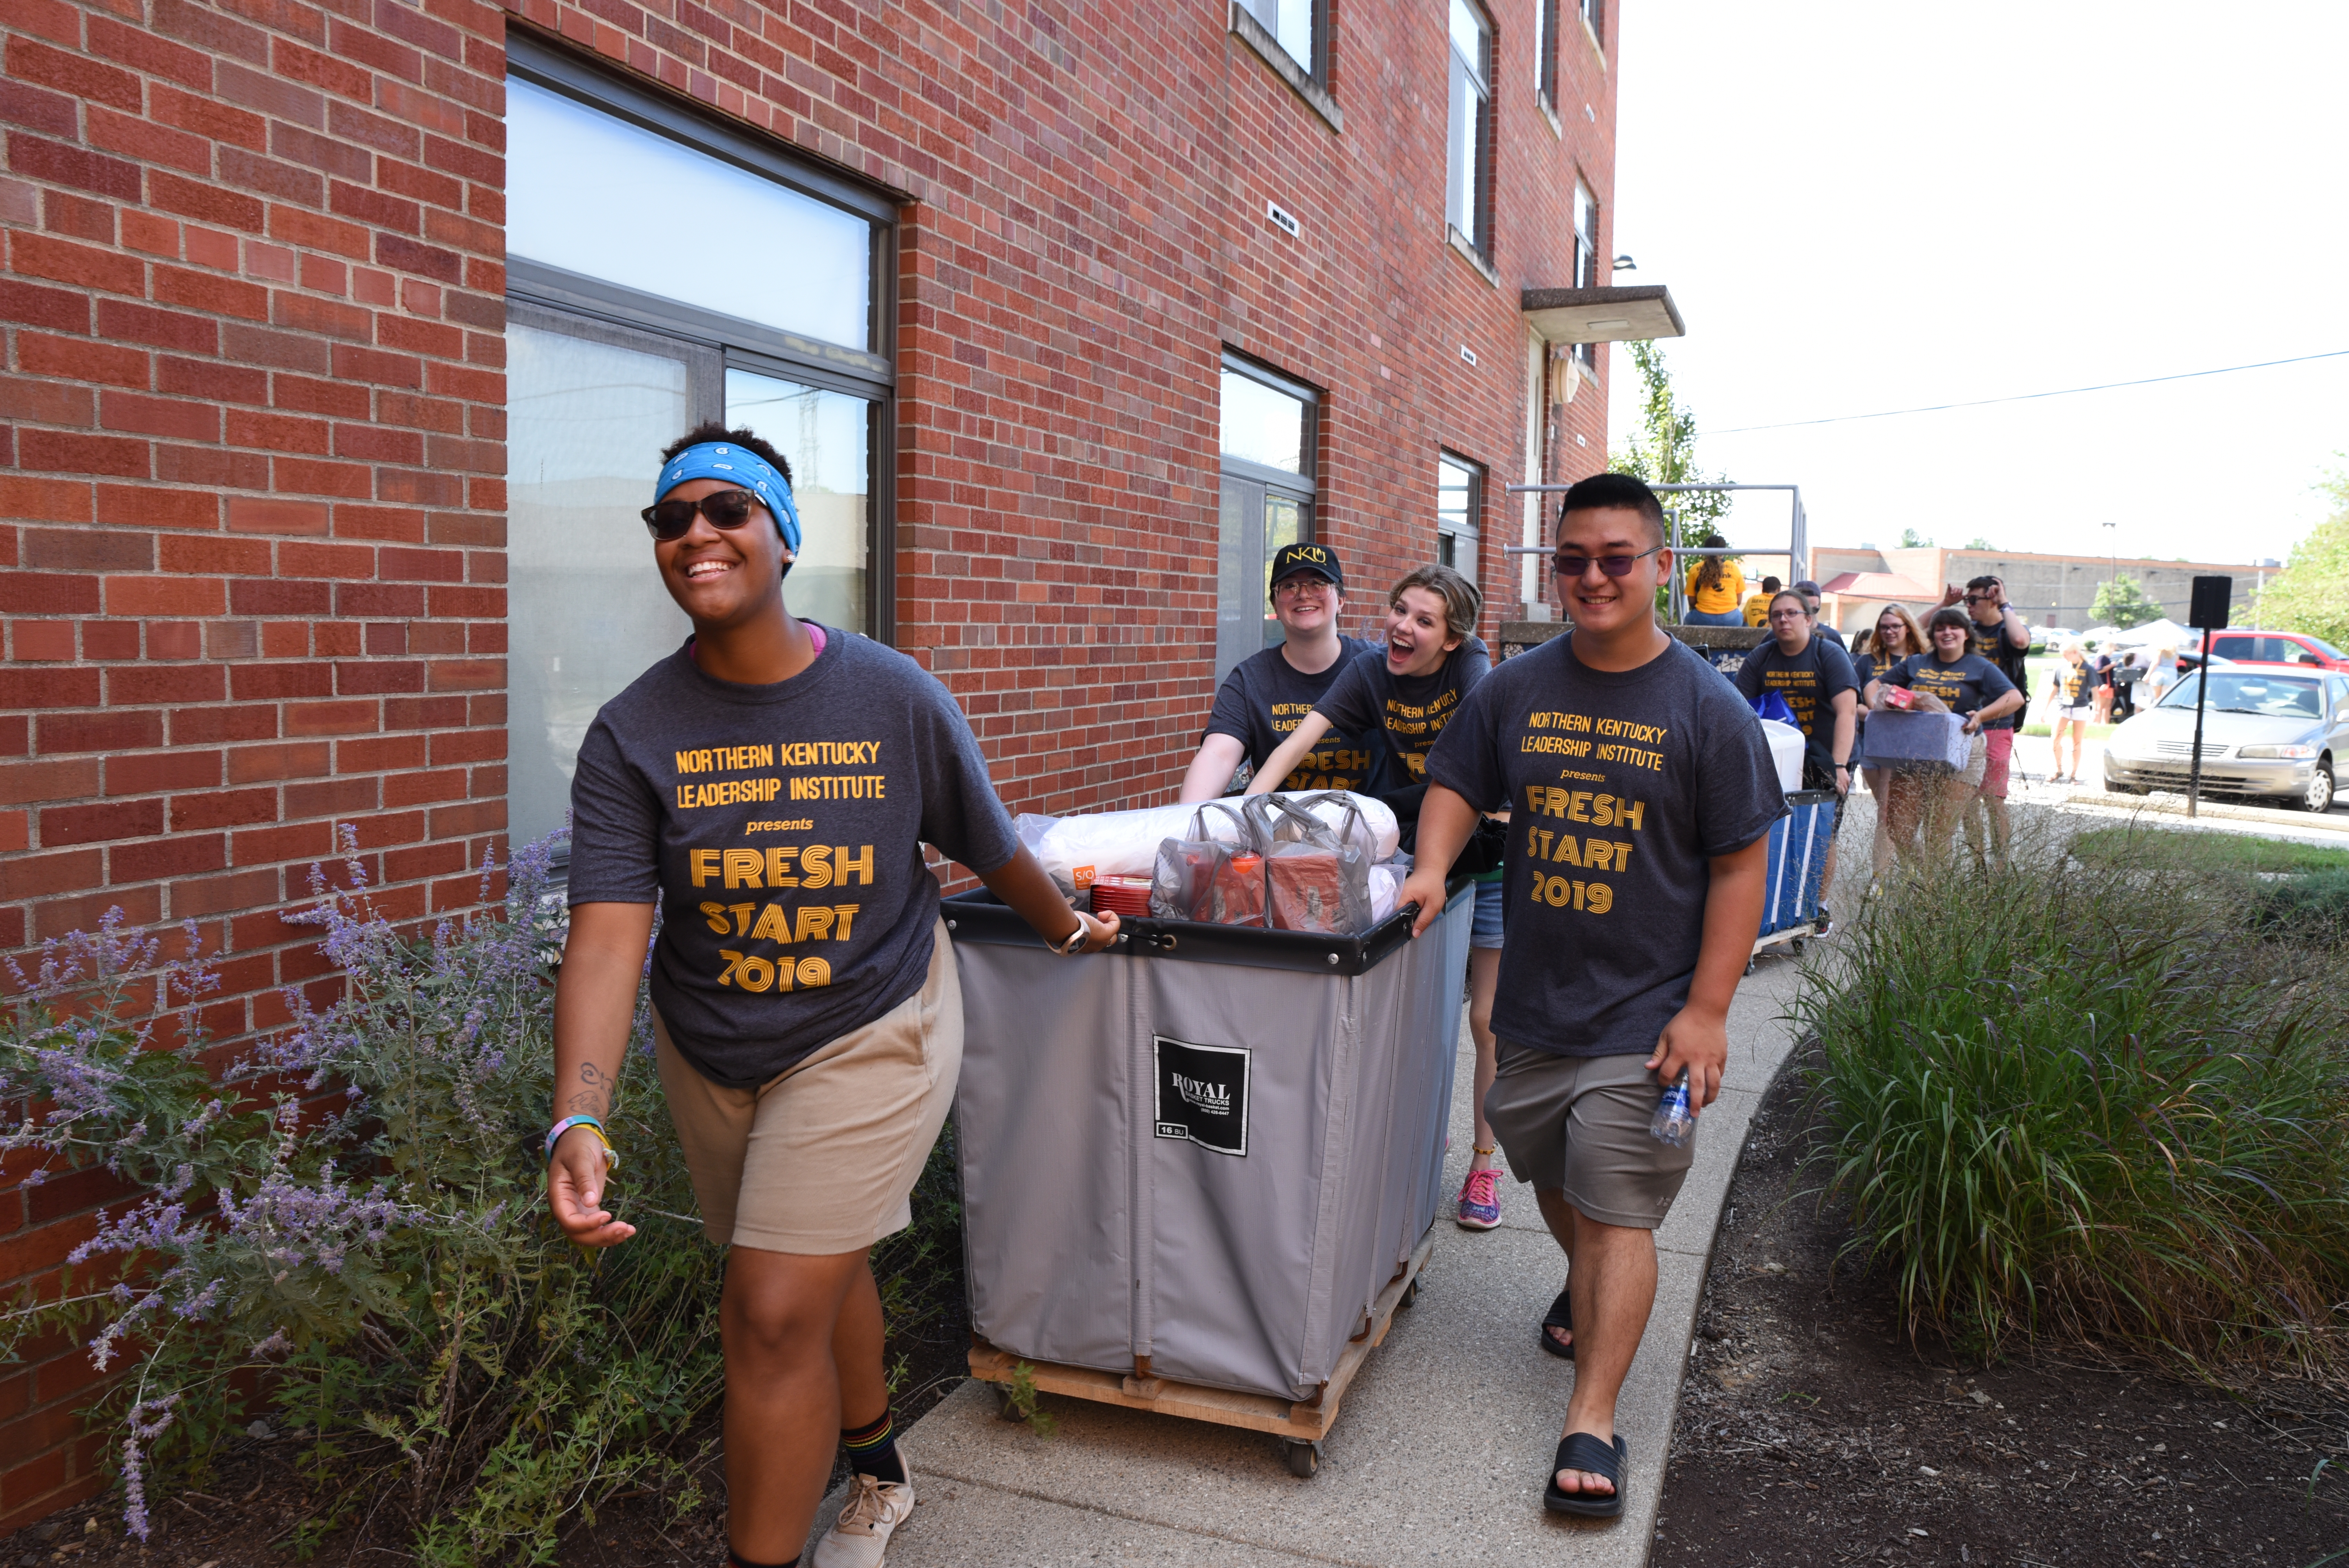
x: 1820, y: 629
x: 1268, y: 693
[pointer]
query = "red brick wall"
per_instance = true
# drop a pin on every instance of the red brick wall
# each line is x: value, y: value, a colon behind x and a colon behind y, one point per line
x: 251, y: 515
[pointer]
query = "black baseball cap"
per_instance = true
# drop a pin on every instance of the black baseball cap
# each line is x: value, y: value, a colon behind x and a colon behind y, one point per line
x: 1319, y: 559
x: 1806, y: 586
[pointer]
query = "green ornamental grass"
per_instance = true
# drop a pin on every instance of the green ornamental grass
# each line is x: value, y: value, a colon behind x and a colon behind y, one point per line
x: 2087, y: 1101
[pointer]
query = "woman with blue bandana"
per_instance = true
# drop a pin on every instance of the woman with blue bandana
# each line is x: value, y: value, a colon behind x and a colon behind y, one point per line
x: 769, y: 787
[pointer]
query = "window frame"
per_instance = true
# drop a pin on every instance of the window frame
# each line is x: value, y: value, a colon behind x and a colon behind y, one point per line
x: 1317, y: 69
x: 588, y: 303
x: 1484, y: 82
x: 1472, y: 528
x: 1594, y: 16
x: 1587, y: 252
x: 1262, y: 481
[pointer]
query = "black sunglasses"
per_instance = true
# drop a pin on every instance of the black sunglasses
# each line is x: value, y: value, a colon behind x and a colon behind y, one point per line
x: 725, y: 509
x: 1613, y: 565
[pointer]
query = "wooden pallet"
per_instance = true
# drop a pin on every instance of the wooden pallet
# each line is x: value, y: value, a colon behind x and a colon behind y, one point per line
x: 1298, y: 1420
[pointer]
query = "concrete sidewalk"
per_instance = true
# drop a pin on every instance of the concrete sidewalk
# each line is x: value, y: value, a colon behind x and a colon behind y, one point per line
x: 1439, y: 1453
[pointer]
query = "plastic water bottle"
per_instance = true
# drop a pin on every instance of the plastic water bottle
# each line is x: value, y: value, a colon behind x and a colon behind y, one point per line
x: 1674, y: 1124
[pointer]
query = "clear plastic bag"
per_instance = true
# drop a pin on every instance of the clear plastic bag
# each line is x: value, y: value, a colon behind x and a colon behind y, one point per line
x: 1317, y: 875
x: 1213, y: 875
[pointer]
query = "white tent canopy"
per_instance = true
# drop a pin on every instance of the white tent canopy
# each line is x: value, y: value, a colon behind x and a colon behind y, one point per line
x: 2164, y: 632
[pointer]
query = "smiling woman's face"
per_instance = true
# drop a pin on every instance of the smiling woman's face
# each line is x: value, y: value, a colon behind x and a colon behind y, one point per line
x: 1892, y: 633
x: 1419, y: 633
x: 722, y: 576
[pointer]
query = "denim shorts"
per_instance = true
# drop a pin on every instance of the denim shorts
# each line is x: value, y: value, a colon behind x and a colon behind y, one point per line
x: 1486, y: 931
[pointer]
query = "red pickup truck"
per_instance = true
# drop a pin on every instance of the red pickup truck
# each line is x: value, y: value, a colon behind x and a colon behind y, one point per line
x: 2294, y: 648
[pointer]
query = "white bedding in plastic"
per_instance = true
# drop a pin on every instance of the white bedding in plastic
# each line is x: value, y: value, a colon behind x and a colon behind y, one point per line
x: 1076, y: 849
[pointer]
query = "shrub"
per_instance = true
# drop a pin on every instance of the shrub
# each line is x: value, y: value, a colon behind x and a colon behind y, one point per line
x: 2083, y: 1100
x: 2313, y: 908
x: 346, y: 1226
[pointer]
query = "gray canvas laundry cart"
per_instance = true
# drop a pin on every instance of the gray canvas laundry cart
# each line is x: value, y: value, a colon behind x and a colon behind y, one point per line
x: 1200, y: 1171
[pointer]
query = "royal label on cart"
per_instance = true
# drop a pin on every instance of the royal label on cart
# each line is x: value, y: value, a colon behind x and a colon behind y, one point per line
x: 1203, y: 1094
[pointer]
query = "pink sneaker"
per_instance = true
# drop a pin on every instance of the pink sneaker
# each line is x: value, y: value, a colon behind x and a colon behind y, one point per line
x: 1480, y: 1199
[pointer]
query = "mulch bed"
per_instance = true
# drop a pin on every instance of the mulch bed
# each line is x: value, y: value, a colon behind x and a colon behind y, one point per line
x: 247, y: 1516
x: 1812, y: 1430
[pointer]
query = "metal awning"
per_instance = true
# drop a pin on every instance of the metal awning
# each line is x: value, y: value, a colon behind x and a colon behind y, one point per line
x: 1603, y: 316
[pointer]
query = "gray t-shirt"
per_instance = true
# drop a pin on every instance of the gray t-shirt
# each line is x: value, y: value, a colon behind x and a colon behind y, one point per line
x: 780, y: 829
x: 1263, y: 700
x: 1621, y: 787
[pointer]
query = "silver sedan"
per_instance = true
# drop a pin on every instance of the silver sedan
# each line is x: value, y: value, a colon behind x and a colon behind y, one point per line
x: 2264, y: 732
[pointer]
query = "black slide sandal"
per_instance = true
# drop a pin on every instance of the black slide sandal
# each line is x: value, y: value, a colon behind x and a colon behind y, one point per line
x: 1560, y: 1316
x: 1582, y: 1451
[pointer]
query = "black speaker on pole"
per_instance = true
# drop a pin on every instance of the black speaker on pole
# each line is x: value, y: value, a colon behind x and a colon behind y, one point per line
x: 2212, y: 596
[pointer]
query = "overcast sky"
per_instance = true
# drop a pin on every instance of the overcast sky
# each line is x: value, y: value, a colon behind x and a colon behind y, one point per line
x: 1862, y: 206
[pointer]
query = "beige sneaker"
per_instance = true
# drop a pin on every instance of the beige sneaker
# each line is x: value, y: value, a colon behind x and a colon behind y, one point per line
x: 861, y: 1534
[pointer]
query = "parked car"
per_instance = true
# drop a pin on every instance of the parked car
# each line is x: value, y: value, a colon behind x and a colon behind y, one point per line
x: 2290, y: 648
x: 2265, y: 732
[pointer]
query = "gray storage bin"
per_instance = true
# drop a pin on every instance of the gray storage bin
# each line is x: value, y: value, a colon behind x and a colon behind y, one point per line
x: 1237, y: 1235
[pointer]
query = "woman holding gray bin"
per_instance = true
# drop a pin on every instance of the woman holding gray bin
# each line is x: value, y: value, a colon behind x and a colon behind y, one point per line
x: 1924, y: 789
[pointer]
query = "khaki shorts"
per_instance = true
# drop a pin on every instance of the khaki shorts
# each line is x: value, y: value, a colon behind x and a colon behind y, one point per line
x: 1578, y: 1124
x: 821, y: 1158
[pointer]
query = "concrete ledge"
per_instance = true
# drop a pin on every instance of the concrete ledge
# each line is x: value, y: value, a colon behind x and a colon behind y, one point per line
x: 2170, y: 805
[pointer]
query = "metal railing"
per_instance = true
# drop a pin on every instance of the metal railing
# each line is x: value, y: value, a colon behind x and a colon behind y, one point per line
x: 1796, y: 552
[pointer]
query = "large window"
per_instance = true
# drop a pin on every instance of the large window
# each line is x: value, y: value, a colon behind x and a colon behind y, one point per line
x: 1296, y: 25
x: 1459, y: 501
x: 1468, y: 138
x: 1268, y: 440
x: 664, y: 270
x: 1594, y: 12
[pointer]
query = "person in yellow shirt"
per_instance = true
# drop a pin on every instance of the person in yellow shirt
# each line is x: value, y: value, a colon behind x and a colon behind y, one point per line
x: 1757, y: 606
x: 1715, y: 587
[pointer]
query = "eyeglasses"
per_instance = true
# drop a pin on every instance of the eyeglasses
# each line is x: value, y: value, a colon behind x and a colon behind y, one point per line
x: 1981, y: 598
x: 674, y: 519
x: 1302, y: 586
x: 1613, y: 565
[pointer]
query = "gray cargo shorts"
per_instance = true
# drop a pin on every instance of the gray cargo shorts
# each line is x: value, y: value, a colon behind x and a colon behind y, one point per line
x: 1578, y: 1124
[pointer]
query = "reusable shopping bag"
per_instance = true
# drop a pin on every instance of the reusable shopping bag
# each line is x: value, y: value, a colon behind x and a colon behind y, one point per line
x: 1317, y: 875
x: 1215, y: 874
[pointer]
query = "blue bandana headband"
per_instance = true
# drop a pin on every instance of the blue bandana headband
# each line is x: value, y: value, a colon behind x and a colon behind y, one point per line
x: 725, y: 460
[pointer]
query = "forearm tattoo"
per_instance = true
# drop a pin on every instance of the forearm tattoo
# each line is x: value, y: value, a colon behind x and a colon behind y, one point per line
x: 594, y: 1096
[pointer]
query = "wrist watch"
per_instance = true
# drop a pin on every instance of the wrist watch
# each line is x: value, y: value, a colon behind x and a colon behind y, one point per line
x: 1068, y: 946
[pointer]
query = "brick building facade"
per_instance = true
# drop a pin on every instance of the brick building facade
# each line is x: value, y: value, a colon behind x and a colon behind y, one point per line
x: 262, y: 570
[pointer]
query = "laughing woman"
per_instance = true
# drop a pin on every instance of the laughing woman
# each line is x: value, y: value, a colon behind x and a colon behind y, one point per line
x: 806, y: 1013
x: 1410, y: 688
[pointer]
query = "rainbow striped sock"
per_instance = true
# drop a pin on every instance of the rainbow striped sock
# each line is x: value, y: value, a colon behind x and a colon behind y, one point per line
x: 872, y: 1449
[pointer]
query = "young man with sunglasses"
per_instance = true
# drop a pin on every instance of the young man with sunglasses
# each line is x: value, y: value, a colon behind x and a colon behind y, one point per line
x: 1643, y: 793
x: 1269, y: 694
x: 769, y: 787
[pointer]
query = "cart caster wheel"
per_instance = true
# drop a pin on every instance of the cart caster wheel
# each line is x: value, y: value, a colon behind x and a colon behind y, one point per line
x: 1006, y: 1407
x: 1795, y: 948
x: 1409, y: 1298
x: 1304, y: 1459
x: 1750, y: 963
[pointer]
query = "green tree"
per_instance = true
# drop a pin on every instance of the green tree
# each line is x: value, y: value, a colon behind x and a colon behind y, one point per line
x: 1663, y: 451
x: 2123, y: 603
x: 2311, y: 594
x: 1912, y: 540
x: 1979, y: 542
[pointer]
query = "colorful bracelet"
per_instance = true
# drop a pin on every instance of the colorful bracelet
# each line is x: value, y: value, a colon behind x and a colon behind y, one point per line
x: 611, y: 1155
